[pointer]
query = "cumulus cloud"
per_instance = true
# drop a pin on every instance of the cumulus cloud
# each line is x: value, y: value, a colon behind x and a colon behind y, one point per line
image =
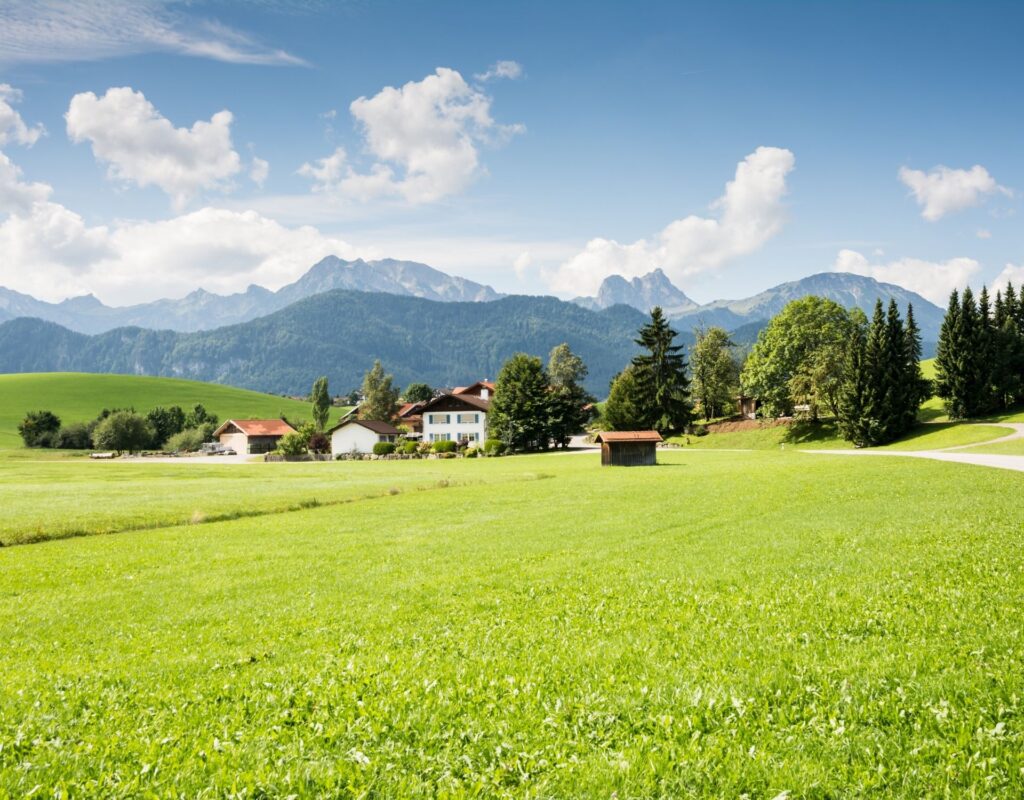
x: 424, y: 137
x: 259, y: 169
x: 501, y: 69
x: 87, y: 30
x: 1012, y: 273
x: 16, y: 196
x: 12, y: 126
x: 942, y: 190
x: 749, y: 214
x: 933, y: 280
x: 141, y: 146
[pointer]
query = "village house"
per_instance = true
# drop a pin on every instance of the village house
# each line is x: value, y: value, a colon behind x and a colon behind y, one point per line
x: 410, y: 415
x: 360, y: 435
x: 460, y: 416
x: 252, y: 436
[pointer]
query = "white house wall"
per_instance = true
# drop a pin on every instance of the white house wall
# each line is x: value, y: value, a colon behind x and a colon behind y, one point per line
x: 446, y: 425
x: 353, y: 438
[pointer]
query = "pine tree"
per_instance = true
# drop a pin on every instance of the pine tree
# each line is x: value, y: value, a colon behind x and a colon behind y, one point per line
x: 946, y: 373
x: 854, y: 424
x: 986, y: 353
x: 894, y: 386
x: 920, y: 388
x: 661, y: 376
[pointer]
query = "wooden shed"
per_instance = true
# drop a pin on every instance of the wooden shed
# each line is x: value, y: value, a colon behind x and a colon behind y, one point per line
x: 628, y: 448
x: 747, y: 406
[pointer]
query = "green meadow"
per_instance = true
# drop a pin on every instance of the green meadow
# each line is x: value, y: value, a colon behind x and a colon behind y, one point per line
x: 721, y: 625
x: 76, y: 397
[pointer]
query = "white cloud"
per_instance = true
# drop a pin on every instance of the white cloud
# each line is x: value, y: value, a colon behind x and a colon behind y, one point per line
x: 15, y: 195
x: 522, y: 264
x: 933, y: 280
x: 1012, y: 273
x: 141, y: 146
x: 942, y: 190
x: 749, y: 214
x: 984, y: 233
x: 425, y: 137
x: 85, y: 30
x: 12, y: 126
x: 501, y: 69
x: 259, y: 169
x: 51, y: 253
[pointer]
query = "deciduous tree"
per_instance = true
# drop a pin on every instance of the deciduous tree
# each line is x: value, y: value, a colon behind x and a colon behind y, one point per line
x: 380, y: 397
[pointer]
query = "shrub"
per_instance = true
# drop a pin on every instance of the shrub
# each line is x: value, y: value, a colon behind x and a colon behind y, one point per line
x: 472, y: 452
x: 123, y: 430
x: 383, y: 448
x: 409, y: 448
x: 39, y: 428
x: 319, y: 443
x: 74, y: 437
x: 445, y: 447
x: 187, y: 441
x: 292, y: 444
x: 494, y: 447
x: 424, y: 447
x: 447, y: 454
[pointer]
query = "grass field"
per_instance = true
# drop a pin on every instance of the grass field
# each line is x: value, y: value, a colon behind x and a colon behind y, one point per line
x: 722, y: 625
x: 1014, y: 447
x: 78, y: 397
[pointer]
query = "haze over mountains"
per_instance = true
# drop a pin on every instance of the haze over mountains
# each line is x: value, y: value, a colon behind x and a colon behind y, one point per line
x: 423, y: 324
x: 202, y: 310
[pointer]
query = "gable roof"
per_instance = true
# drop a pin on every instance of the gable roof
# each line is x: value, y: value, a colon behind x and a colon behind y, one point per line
x: 370, y: 424
x: 628, y: 436
x: 470, y: 400
x: 410, y: 408
x: 489, y: 385
x: 258, y: 427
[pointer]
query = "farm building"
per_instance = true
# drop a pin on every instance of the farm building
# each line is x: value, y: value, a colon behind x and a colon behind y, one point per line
x: 360, y: 435
x: 252, y: 435
x: 628, y: 448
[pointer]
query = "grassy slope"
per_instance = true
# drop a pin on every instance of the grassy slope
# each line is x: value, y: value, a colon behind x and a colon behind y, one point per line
x: 76, y: 397
x: 1014, y: 447
x: 718, y: 626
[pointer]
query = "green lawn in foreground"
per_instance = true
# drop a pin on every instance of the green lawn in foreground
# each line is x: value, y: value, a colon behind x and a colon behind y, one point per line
x: 77, y: 397
x: 723, y: 625
x: 1014, y: 447
x: 939, y: 435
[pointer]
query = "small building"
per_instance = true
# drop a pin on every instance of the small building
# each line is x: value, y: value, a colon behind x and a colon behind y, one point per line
x: 252, y: 436
x: 746, y: 405
x: 410, y: 415
x: 457, y: 417
x: 628, y: 448
x: 360, y: 435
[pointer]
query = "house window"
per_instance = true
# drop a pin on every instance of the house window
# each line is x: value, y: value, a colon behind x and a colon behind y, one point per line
x: 386, y: 437
x: 469, y: 437
x: 467, y: 419
x: 440, y: 419
x: 440, y: 437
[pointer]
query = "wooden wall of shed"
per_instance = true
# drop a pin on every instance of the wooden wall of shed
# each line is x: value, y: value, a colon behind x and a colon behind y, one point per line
x: 628, y: 454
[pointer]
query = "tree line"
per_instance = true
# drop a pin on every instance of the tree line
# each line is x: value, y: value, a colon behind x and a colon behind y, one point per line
x: 979, y: 363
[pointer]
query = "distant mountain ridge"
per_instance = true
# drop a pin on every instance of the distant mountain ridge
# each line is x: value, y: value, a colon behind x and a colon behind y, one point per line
x: 202, y: 310
x: 339, y: 334
x: 643, y: 293
x: 845, y: 288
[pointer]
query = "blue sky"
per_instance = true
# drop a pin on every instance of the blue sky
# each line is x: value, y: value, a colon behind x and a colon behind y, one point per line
x: 880, y: 138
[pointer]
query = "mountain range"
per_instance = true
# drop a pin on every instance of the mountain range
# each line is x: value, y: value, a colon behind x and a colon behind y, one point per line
x: 643, y: 293
x: 202, y: 310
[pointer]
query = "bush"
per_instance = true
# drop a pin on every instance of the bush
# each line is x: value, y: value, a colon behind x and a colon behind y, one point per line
x: 425, y: 447
x: 494, y: 447
x: 445, y: 446
x: 409, y: 448
x: 123, y: 430
x: 292, y: 444
x: 447, y: 454
x: 472, y: 452
x: 187, y: 441
x: 319, y: 443
x: 39, y: 429
x: 383, y: 448
x: 74, y: 437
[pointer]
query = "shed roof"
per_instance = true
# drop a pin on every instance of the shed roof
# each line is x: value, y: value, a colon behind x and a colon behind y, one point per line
x: 258, y: 427
x: 374, y: 425
x: 628, y: 436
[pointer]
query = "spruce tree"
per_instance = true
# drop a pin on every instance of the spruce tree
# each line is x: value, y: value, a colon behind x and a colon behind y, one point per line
x: 661, y: 376
x: 854, y: 423
x: 946, y: 373
x: 894, y: 386
x: 920, y: 388
x: 986, y: 353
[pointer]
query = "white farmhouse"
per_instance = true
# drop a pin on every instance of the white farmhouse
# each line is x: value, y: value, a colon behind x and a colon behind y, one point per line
x: 460, y: 416
x: 360, y: 435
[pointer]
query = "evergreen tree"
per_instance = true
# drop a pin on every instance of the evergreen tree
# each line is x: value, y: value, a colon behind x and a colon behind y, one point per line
x: 568, y: 401
x: 321, y: 400
x: 380, y: 397
x: 854, y: 401
x: 519, y: 411
x: 660, y: 374
x: 986, y: 353
x: 920, y: 388
x: 946, y: 372
x: 623, y: 408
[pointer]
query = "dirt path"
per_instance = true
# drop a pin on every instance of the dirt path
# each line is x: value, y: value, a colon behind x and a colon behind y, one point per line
x: 953, y: 454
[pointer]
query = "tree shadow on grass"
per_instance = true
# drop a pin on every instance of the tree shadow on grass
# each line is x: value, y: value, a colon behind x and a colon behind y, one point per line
x: 802, y: 431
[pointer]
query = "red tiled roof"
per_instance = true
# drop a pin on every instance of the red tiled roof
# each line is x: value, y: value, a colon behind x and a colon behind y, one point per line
x: 628, y: 436
x: 409, y: 408
x: 258, y: 427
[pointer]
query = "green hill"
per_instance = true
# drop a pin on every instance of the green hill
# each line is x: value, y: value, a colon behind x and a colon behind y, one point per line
x: 79, y: 397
